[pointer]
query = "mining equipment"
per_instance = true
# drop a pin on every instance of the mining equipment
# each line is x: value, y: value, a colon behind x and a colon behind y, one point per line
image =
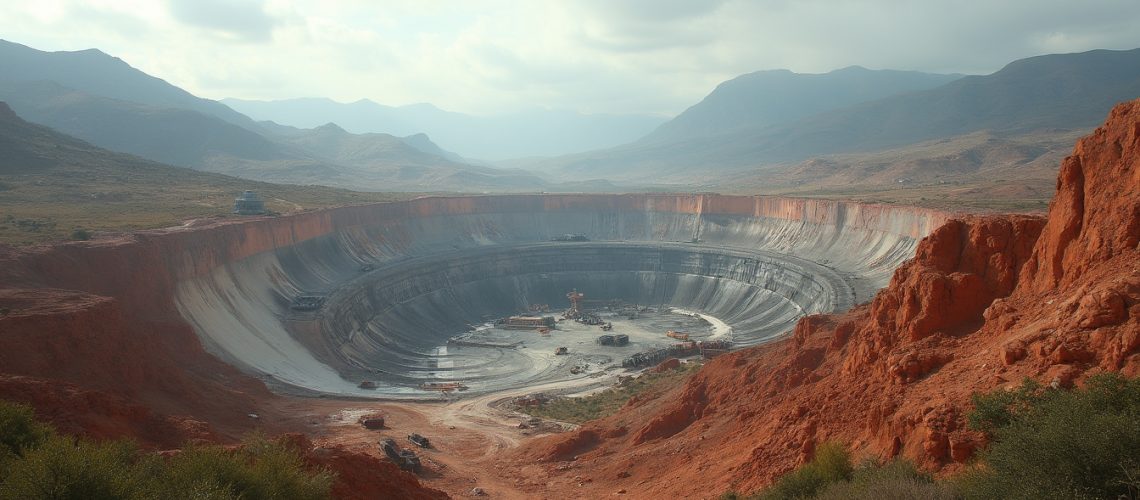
x: 561, y: 351
x: 607, y: 327
x: 366, y: 384
x: 527, y: 322
x: 372, y: 421
x: 307, y: 302
x: 589, y: 319
x: 419, y: 440
x: 248, y: 203
x: 677, y: 335
x: 575, y: 310
x: 388, y: 446
x: 405, y: 459
x: 443, y: 386
x: 411, y: 461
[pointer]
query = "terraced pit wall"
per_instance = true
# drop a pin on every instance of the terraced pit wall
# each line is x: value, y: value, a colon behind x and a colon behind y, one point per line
x: 442, y: 263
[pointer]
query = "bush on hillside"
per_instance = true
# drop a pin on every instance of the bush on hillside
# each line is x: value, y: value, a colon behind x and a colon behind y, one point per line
x: 42, y: 465
x: 1049, y: 443
x: 832, y: 464
x: 896, y: 480
x: 19, y: 430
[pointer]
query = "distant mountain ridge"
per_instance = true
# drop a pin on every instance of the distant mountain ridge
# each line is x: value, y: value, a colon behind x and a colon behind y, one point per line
x: 773, y: 97
x: 93, y: 72
x: 117, y: 107
x: 533, y: 133
x: 1060, y: 91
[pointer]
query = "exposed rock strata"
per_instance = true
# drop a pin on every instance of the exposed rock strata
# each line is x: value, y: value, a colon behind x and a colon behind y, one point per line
x: 986, y: 302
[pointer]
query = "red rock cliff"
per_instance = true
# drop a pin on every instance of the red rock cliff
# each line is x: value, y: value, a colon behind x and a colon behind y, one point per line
x: 986, y: 302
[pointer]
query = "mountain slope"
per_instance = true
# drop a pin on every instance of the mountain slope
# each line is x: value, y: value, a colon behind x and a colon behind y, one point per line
x: 94, y: 72
x: 496, y: 137
x: 169, y: 135
x: 51, y: 184
x: 774, y: 97
x: 1064, y: 91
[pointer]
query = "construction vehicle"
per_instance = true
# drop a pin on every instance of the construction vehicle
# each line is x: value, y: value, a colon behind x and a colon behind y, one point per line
x: 527, y: 322
x: 607, y: 327
x: 677, y: 335
x: 561, y: 351
x: 443, y: 386
x: 419, y: 440
x: 372, y: 421
x: 405, y: 459
x: 388, y: 446
x: 307, y: 302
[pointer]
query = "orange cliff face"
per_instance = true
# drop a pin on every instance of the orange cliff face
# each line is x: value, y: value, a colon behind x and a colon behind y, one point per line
x: 986, y: 302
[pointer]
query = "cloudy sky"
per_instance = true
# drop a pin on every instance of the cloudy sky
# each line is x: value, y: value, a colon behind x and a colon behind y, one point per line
x: 593, y: 56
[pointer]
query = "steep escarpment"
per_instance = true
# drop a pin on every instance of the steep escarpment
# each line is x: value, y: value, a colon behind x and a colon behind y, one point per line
x: 986, y: 302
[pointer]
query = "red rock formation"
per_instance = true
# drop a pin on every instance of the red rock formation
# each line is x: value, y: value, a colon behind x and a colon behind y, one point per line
x: 985, y: 303
x: 361, y: 476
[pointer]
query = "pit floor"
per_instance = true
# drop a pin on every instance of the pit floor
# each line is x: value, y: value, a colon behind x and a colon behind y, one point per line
x: 646, y: 332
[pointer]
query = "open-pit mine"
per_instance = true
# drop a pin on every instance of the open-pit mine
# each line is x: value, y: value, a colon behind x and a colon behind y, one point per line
x: 481, y: 294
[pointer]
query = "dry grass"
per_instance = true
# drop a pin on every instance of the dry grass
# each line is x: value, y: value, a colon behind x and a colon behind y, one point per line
x: 122, y: 193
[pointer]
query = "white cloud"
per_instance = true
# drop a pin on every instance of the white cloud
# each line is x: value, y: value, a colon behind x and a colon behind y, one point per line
x: 651, y: 56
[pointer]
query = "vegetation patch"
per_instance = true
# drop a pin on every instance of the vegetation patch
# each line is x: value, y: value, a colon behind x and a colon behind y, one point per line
x: 37, y: 463
x: 1049, y: 443
x: 583, y: 409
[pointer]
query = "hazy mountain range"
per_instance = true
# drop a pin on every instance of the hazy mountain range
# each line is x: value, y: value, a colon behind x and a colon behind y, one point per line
x: 762, y: 132
x: 497, y: 137
x: 773, y: 97
x: 1058, y: 93
x: 102, y: 100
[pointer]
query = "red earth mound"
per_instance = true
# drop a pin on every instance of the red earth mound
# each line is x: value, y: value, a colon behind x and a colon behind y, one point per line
x: 361, y: 476
x: 986, y: 302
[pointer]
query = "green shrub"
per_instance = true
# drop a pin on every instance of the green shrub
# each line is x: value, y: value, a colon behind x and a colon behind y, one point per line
x: 832, y: 463
x: 19, y: 429
x: 80, y: 235
x: 37, y: 464
x: 262, y: 468
x: 61, y: 468
x: 895, y: 480
x: 1050, y: 443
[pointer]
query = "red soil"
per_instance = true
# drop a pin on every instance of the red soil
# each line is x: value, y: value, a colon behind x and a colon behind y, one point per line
x: 986, y: 302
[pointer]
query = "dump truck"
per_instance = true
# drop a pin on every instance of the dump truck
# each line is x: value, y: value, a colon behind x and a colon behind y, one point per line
x: 419, y: 440
x: 561, y: 351
x: 405, y: 459
x: 677, y: 335
x: 372, y: 421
